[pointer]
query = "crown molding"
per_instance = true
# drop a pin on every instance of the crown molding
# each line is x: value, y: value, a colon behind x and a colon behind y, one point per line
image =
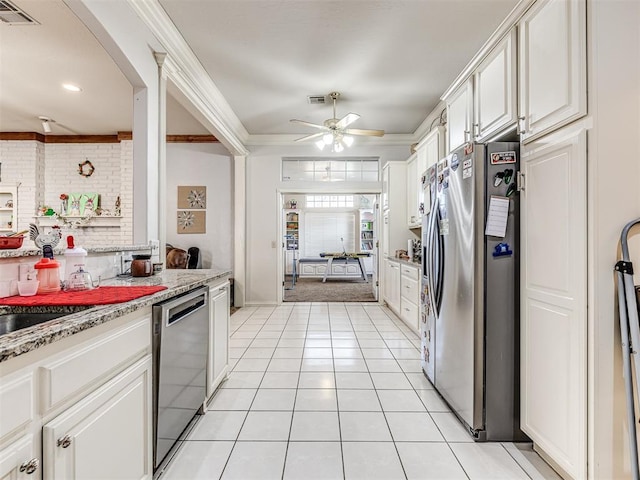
x: 184, y: 69
x: 503, y: 29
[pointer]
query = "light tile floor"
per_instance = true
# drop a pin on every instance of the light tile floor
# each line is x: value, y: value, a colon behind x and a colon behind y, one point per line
x: 335, y: 391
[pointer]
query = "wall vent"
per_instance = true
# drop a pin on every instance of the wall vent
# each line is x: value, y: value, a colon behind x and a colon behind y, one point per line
x: 317, y: 99
x: 12, y: 15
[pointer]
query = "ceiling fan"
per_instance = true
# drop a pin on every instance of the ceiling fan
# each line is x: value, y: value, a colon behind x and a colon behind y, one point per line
x: 335, y: 132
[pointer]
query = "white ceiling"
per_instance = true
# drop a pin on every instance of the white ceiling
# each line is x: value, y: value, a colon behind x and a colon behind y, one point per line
x: 390, y: 59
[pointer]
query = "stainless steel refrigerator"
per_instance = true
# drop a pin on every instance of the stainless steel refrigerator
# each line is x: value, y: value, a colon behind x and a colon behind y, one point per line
x: 470, y: 309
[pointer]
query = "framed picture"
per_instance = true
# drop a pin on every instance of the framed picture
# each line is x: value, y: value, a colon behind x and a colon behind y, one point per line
x: 192, y: 198
x: 192, y: 221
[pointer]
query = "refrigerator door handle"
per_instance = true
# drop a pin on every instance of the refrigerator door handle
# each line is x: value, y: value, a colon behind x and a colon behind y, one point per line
x: 430, y: 254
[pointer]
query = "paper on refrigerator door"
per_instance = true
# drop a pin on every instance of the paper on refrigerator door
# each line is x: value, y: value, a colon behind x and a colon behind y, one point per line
x: 497, y: 216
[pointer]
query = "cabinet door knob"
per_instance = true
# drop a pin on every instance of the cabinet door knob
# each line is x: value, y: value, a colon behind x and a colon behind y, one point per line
x: 30, y: 466
x: 64, y: 442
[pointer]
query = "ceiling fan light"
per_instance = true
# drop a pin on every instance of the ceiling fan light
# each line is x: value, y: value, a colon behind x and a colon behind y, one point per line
x: 320, y: 144
x: 327, y: 138
x: 337, y: 147
x: 348, y: 140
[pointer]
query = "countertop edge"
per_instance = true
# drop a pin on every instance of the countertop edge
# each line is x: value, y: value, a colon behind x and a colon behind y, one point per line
x: 33, y: 251
x: 26, y: 340
x: 404, y: 262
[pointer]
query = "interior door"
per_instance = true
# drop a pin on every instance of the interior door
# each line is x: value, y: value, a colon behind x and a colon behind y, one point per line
x: 554, y: 304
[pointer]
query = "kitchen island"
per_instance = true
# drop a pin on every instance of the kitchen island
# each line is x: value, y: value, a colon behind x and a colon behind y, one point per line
x: 76, y: 392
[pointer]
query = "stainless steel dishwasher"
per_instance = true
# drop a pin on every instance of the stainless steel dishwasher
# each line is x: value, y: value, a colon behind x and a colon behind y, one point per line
x: 180, y: 337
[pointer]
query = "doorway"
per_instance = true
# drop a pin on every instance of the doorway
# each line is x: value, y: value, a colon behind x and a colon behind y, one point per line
x: 330, y: 249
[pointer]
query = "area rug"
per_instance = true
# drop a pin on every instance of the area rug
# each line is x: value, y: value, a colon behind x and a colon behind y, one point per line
x: 333, y: 290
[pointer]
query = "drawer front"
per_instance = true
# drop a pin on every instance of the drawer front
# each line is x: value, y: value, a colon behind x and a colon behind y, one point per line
x: 409, y: 289
x: 338, y: 269
x: 69, y: 374
x: 409, y: 313
x: 411, y: 272
x: 17, y: 403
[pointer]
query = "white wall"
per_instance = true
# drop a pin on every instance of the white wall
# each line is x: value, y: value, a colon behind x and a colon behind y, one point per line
x: 263, y: 211
x: 207, y: 164
x: 614, y: 200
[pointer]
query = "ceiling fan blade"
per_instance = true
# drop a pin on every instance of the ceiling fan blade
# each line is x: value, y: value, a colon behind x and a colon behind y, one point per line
x: 309, y: 124
x: 348, y: 119
x: 309, y: 137
x: 369, y: 133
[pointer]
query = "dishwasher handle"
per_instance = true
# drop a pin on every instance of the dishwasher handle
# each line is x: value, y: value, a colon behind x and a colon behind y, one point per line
x: 182, y: 307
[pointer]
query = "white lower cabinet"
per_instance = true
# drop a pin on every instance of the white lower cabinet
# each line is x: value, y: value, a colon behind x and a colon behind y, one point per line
x: 392, y: 285
x: 105, y: 435
x: 402, y: 292
x: 80, y: 408
x: 19, y: 460
x: 218, y: 363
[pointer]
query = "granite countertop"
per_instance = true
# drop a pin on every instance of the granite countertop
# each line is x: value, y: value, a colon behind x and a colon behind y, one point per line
x: 33, y: 251
x: 405, y: 262
x: 23, y: 341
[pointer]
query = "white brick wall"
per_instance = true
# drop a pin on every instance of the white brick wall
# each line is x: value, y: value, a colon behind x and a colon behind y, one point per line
x: 44, y: 171
x: 22, y: 163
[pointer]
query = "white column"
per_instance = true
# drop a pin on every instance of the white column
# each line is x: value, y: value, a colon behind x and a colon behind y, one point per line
x: 239, y: 229
x: 161, y: 204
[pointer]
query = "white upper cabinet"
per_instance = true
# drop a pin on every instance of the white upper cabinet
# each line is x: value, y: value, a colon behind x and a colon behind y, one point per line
x: 413, y: 205
x: 459, y: 109
x: 428, y: 152
x: 552, y: 66
x: 431, y: 149
x: 495, y: 87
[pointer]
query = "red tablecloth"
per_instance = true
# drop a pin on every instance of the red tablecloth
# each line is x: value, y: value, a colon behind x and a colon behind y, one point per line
x: 97, y: 296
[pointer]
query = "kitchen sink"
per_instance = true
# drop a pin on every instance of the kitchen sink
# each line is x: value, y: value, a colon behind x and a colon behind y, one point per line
x: 10, y: 322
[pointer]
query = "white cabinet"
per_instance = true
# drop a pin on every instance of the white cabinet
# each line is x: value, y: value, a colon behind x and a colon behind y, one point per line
x: 428, y: 152
x: 8, y: 208
x: 394, y: 227
x: 402, y: 291
x: 413, y: 214
x: 410, y: 296
x: 20, y: 460
x: 552, y: 66
x: 218, y: 359
x: 554, y: 297
x: 106, y: 432
x: 392, y: 285
x: 494, y: 90
x: 95, y: 388
x: 459, y: 116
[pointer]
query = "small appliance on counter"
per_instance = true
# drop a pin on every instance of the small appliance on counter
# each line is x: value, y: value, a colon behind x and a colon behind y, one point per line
x: 75, y: 259
x: 48, y: 275
x: 141, y: 266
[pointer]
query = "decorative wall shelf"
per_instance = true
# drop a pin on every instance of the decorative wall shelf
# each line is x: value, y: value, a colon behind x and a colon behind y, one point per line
x: 77, y: 222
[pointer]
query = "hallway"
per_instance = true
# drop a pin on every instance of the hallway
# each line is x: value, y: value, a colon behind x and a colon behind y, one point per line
x: 335, y: 391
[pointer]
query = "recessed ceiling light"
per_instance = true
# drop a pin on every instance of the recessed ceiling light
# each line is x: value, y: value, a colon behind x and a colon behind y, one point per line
x: 71, y: 87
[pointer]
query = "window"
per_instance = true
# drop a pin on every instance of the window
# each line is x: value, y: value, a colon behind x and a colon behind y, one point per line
x: 346, y: 169
x: 329, y: 201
